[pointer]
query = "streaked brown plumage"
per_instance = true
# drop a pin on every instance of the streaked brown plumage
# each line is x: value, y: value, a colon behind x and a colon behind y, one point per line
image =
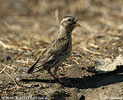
x: 59, y: 50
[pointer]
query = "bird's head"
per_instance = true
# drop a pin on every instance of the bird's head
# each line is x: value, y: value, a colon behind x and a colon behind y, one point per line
x: 69, y: 22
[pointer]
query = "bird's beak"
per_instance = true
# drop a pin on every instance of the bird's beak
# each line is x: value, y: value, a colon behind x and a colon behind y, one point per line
x: 76, y: 24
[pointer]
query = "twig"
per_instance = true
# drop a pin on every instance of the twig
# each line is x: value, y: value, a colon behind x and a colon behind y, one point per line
x: 7, y: 66
x: 12, y: 79
x: 93, y: 45
x: 2, y: 69
x: 57, y: 16
x: 14, y: 47
x: 75, y: 61
x: 84, y: 48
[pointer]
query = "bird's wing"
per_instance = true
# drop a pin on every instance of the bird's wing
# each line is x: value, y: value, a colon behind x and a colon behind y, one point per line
x: 53, y: 53
x: 38, y: 61
x: 50, y: 56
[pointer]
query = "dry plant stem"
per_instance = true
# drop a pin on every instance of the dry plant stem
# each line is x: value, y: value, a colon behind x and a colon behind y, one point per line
x: 12, y: 79
x: 18, y: 55
x: 9, y: 67
x: 6, y: 66
x: 14, y: 47
x: 75, y: 61
x: 84, y: 48
x: 57, y: 16
x: 3, y: 70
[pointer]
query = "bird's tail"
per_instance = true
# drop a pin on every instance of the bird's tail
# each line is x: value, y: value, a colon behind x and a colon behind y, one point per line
x: 31, y: 69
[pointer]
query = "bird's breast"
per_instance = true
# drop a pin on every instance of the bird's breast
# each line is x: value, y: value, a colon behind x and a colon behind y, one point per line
x: 68, y: 47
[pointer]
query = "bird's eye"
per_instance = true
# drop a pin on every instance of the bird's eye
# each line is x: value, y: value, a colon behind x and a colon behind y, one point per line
x: 69, y: 20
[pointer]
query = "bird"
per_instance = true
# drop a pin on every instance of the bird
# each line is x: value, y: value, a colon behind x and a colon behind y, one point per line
x: 58, y: 50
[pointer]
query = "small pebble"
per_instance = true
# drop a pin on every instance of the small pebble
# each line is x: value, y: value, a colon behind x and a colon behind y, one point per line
x: 8, y: 58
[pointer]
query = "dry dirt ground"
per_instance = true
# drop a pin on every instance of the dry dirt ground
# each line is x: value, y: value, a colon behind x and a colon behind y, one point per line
x: 28, y: 26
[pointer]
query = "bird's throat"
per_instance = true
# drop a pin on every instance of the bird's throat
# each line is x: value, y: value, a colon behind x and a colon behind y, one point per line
x: 63, y: 32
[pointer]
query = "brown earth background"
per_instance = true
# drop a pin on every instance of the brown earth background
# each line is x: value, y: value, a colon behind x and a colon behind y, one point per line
x: 28, y: 26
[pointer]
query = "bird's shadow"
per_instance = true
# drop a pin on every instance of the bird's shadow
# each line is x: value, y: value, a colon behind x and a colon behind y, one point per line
x: 86, y: 82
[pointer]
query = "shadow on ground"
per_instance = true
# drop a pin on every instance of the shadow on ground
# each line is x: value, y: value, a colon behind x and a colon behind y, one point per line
x: 86, y: 82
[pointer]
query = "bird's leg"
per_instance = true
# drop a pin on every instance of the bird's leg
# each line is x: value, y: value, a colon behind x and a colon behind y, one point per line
x: 55, y: 72
x: 51, y: 73
x: 55, y: 76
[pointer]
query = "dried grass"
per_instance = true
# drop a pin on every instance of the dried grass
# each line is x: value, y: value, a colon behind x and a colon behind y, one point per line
x: 4, y: 71
x: 29, y: 29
